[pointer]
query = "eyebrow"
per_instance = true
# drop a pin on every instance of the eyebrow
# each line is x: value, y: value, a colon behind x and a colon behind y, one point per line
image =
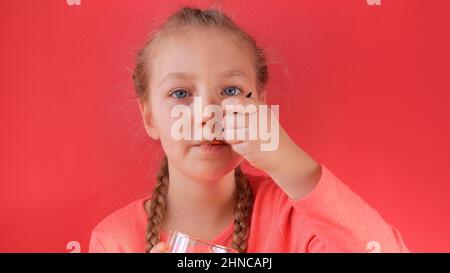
x: 235, y: 73
x: 177, y: 75
x: 187, y: 76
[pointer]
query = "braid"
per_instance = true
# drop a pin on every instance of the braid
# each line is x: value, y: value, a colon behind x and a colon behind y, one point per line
x: 157, y: 205
x: 242, y: 211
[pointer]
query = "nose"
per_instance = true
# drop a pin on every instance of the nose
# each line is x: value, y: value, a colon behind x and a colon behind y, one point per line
x: 210, y: 103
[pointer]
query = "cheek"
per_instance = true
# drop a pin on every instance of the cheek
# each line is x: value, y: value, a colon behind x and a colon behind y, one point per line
x: 164, y: 122
x: 165, y: 133
x: 162, y: 118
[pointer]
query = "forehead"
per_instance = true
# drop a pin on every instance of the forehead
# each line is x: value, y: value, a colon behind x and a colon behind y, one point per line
x: 201, y: 51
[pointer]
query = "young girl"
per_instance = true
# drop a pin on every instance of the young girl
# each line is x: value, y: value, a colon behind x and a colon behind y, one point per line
x: 201, y: 190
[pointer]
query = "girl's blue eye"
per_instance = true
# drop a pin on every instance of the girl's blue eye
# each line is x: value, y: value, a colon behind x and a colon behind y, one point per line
x: 179, y: 94
x: 231, y: 91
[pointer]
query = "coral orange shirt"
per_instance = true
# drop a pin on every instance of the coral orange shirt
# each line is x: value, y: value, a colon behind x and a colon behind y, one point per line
x: 331, y: 218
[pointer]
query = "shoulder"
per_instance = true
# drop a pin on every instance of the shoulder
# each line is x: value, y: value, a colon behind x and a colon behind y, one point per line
x: 120, y: 229
x: 125, y: 216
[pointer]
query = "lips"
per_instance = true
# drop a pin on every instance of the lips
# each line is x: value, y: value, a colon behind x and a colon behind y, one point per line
x: 211, y: 143
x: 213, y: 148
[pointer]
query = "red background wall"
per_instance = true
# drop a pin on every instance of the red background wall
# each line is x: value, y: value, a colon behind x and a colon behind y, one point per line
x: 364, y: 89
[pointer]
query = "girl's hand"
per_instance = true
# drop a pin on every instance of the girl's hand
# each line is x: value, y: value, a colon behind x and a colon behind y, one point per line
x: 251, y: 149
x: 289, y: 166
x: 161, y: 247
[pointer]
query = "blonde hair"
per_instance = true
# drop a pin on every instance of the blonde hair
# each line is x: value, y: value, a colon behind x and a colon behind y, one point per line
x: 186, y: 17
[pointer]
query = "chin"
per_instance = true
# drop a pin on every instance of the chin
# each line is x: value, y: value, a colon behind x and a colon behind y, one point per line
x: 214, y: 169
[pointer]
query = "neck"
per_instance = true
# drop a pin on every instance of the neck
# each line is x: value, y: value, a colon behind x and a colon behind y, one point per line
x: 200, y: 208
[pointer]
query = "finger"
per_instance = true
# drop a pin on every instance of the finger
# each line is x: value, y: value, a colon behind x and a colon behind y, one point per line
x: 161, y: 247
x: 230, y: 135
x: 240, y: 104
x: 240, y: 148
x: 238, y: 135
x: 240, y: 120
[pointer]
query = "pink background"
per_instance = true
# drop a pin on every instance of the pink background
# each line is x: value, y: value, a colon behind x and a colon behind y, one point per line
x: 364, y: 89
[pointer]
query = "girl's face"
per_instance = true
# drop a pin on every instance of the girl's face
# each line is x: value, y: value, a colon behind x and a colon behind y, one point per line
x: 203, y: 62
